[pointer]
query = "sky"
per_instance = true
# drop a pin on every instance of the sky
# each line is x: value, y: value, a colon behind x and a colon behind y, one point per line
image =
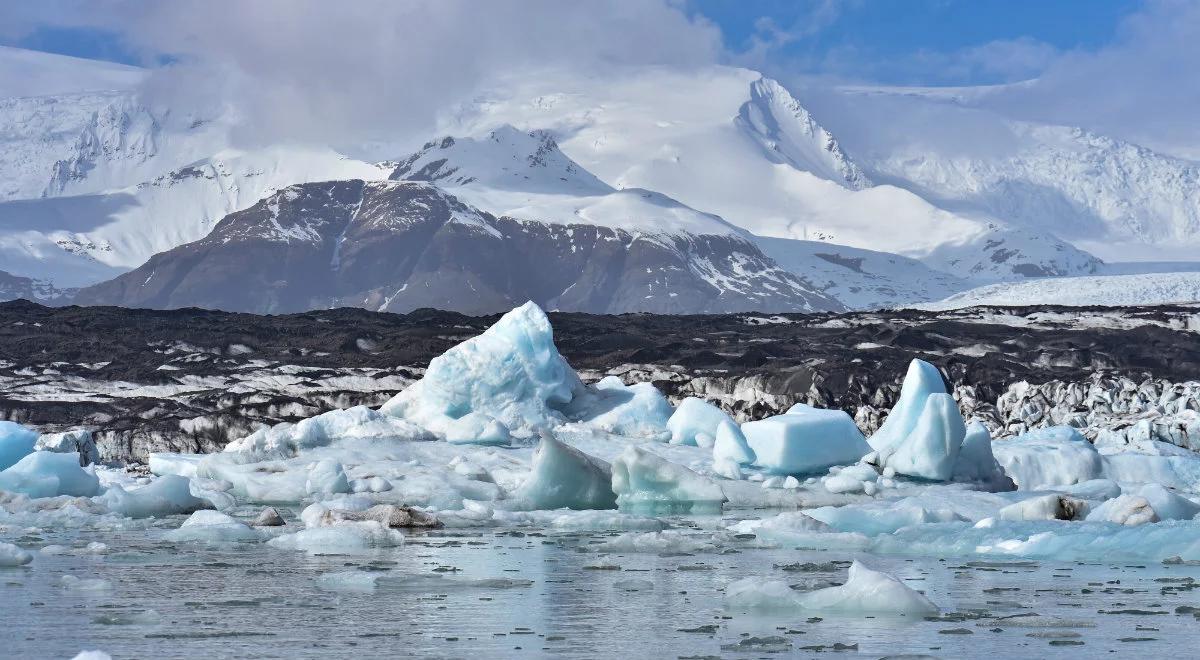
x: 321, y: 68
x: 913, y: 42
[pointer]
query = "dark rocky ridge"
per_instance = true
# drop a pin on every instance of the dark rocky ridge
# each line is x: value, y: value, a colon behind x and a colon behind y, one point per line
x: 58, y: 365
x: 405, y: 245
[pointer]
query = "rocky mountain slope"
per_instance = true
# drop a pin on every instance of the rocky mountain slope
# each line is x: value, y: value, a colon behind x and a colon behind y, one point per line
x: 193, y: 379
x: 401, y: 245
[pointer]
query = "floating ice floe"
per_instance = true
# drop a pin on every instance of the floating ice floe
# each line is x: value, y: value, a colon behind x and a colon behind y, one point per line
x: 48, y: 474
x: 565, y: 478
x: 11, y: 555
x: 867, y: 591
x: 805, y: 440
x: 643, y: 481
x: 167, y: 495
x: 213, y: 527
x: 1049, y: 457
x: 1046, y: 507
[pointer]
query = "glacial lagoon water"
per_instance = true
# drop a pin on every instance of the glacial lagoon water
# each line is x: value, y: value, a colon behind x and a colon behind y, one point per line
x: 530, y: 592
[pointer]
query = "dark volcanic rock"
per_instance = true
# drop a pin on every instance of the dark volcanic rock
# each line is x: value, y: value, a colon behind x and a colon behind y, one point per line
x: 404, y: 245
x: 193, y: 379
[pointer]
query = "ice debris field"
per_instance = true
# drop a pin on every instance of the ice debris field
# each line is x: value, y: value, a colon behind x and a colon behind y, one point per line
x: 501, y: 505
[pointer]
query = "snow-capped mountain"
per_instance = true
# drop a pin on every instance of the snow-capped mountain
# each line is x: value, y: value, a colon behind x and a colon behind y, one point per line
x: 82, y: 239
x: 94, y: 180
x: 736, y: 144
x: 402, y: 245
x: 860, y: 279
x: 1117, y: 200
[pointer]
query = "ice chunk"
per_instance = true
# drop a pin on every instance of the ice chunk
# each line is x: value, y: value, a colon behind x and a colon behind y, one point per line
x: 512, y: 373
x: 884, y: 517
x: 869, y: 591
x: 1168, y: 505
x: 637, y: 411
x: 359, y: 422
x: 327, y: 477
x: 727, y: 469
x: 342, y: 538
x: 731, y: 445
x: 475, y: 428
x: 643, y: 481
x: 660, y: 542
x: 16, y: 442
x: 565, y: 478
x: 805, y: 440
x: 11, y: 555
x: 922, y: 380
x: 75, y: 440
x: 1125, y: 510
x: 213, y: 527
x: 1045, y: 507
x: 1049, y: 457
x: 1093, y: 489
x: 47, y: 474
x: 753, y: 593
x: 162, y: 497
x: 976, y: 463
x: 167, y: 495
x: 695, y: 416
x: 930, y: 449
x: 1179, y: 471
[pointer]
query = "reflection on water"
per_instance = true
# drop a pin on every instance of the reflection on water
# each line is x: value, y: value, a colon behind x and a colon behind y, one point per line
x: 506, y: 593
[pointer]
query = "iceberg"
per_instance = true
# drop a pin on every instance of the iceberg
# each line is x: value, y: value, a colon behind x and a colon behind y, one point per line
x: 475, y: 428
x: 645, y: 482
x: 350, y: 537
x: 16, y: 442
x: 1168, y: 505
x: 1049, y: 457
x: 512, y: 373
x: 869, y: 591
x: 360, y: 422
x: 165, y: 496
x: 565, y: 478
x: 327, y: 477
x: 930, y: 449
x: 47, y: 474
x: 66, y: 442
x: 11, y: 555
x: 1045, y: 507
x: 921, y: 380
x: 634, y: 411
x: 977, y: 464
x: 730, y: 445
x: 694, y: 417
x: 805, y: 440
x: 213, y: 527
x: 1129, y: 510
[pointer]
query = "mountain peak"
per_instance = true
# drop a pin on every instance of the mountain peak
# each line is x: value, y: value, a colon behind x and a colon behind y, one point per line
x: 789, y: 134
x: 505, y: 158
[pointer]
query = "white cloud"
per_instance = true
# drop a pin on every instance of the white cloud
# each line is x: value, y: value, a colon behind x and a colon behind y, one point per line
x: 1144, y: 87
x: 340, y: 71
